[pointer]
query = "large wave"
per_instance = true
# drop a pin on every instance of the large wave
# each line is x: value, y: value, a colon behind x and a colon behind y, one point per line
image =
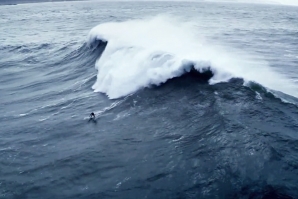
x: 145, y: 52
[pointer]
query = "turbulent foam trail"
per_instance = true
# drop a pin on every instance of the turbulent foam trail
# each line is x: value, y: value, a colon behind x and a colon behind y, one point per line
x: 143, y: 52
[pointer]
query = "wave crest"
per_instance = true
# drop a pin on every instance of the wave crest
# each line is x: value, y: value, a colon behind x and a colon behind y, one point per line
x: 140, y: 53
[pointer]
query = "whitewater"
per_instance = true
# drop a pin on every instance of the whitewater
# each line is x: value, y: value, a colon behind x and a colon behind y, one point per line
x: 150, y: 51
x: 191, y: 100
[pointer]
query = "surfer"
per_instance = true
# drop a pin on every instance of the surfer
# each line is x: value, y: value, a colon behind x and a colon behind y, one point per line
x: 92, y: 116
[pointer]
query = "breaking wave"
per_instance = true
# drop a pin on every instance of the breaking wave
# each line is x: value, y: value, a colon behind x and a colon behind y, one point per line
x: 140, y: 53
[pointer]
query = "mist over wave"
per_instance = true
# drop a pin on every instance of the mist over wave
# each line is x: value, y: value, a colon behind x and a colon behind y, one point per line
x: 150, y: 51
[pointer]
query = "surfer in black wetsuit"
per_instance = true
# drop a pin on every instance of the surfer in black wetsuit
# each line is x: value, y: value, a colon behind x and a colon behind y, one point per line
x: 92, y: 116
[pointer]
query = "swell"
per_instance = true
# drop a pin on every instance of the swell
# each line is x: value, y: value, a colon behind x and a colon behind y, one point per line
x: 271, y: 94
x: 199, y: 126
x: 52, y: 81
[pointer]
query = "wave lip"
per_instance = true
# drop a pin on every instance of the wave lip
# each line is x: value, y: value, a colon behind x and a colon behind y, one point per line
x: 140, y: 53
x: 138, y: 68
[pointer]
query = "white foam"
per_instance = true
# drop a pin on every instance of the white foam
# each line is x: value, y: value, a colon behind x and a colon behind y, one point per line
x: 151, y: 51
x: 258, y: 96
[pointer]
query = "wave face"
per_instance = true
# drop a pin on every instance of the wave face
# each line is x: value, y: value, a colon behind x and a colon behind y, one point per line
x: 150, y: 51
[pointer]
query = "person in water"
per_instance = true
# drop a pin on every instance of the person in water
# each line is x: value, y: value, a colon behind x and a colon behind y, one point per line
x: 92, y: 116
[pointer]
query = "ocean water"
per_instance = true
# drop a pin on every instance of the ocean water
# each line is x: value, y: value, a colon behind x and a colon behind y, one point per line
x: 192, y: 100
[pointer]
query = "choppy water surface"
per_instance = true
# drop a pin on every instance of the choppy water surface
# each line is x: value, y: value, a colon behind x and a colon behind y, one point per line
x: 193, y: 100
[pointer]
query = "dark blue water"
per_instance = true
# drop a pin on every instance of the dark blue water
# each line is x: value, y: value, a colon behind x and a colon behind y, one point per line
x: 192, y: 100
